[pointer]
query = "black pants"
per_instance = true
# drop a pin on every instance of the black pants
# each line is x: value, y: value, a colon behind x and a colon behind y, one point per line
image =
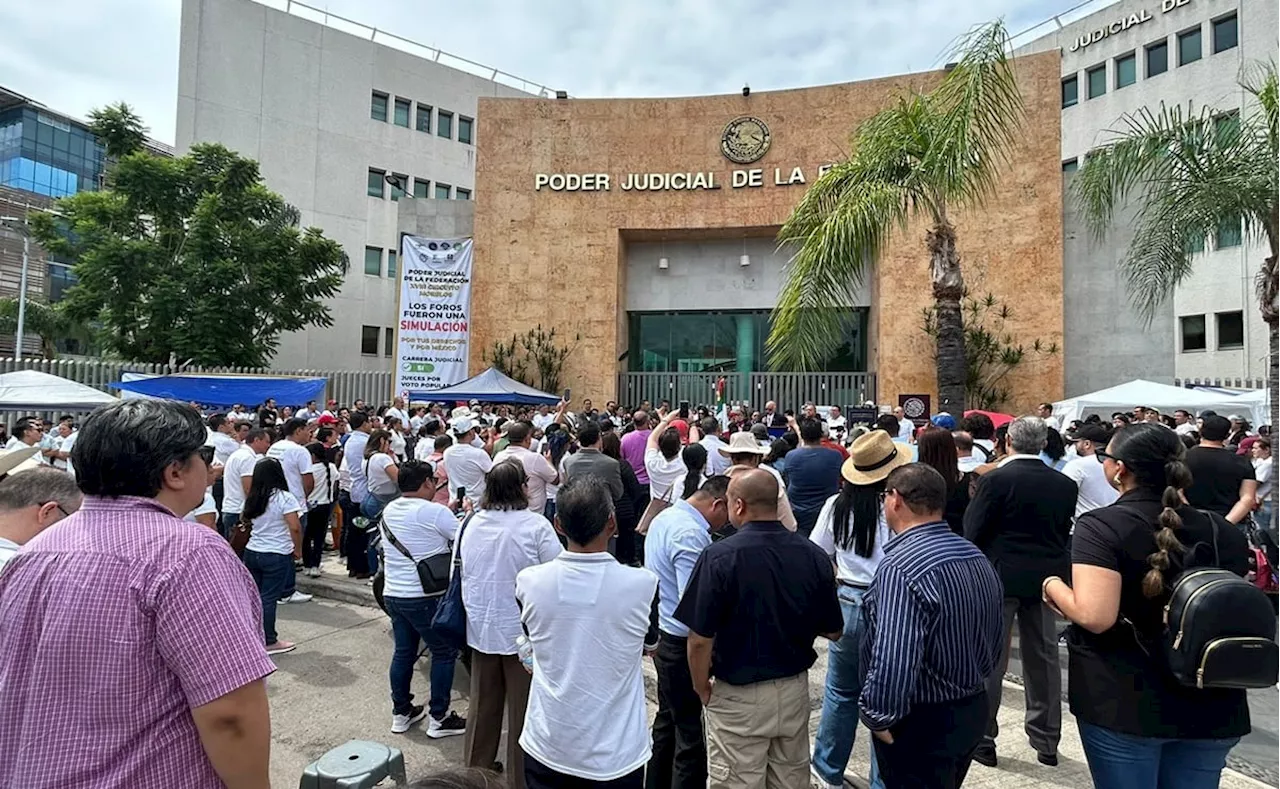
x: 679, y: 758
x: 540, y: 776
x: 313, y: 535
x: 933, y: 745
x: 356, y: 539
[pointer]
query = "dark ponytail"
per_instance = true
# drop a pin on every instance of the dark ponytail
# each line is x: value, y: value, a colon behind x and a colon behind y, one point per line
x: 1177, y: 478
x: 1153, y: 455
x: 695, y: 461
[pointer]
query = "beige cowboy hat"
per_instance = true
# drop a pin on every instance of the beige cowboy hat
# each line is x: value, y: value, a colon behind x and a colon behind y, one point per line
x: 17, y: 460
x: 742, y: 443
x: 872, y: 457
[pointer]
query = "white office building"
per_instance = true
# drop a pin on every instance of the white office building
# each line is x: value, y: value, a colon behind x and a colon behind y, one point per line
x: 1118, y: 58
x: 330, y: 108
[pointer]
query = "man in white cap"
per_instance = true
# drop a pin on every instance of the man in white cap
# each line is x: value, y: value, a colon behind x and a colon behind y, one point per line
x: 744, y: 452
x: 467, y: 462
x: 32, y: 498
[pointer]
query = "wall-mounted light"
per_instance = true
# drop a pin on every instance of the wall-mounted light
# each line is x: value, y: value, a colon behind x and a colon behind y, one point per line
x: 663, y: 264
x: 744, y: 260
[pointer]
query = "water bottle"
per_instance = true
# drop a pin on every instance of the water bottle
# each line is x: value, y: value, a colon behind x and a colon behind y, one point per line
x: 524, y: 649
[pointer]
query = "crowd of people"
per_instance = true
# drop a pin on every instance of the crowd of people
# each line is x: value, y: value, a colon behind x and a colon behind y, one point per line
x: 147, y: 553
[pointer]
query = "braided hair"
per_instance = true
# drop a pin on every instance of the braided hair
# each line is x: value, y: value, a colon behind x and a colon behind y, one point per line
x: 1154, y: 454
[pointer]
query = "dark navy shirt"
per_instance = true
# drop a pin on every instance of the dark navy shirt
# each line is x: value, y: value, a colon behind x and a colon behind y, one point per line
x: 813, y: 476
x: 934, y: 624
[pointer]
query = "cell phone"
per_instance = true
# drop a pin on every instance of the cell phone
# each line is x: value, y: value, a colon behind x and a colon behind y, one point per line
x: 462, y: 494
x: 684, y: 409
x: 567, y: 392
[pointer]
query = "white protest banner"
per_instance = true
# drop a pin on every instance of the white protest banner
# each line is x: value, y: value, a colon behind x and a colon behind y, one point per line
x: 435, y: 313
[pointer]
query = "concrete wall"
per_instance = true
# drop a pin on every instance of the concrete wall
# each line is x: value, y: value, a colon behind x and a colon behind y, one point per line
x: 708, y: 275
x: 1221, y: 279
x: 295, y: 95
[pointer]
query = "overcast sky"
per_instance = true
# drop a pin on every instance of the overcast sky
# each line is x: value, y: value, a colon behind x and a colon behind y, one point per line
x: 73, y: 55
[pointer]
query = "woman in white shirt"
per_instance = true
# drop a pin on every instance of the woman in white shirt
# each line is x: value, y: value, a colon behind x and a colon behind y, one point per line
x: 663, y: 463
x: 851, y: 529
x: 500, y: 540
x: 319, y: 508
x: 274, y: 542
x: 381, y: 472
x: 396, y: 428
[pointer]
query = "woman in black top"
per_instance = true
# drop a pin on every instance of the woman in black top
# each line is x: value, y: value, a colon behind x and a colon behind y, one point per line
x: 1139, y: 726
x: 937, y: 448
x: 626, y: 510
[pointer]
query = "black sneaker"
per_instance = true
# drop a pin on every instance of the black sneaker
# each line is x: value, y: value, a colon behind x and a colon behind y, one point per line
x: 985, y: 754
x: 401, y: 723
x: 1047, y: 759
x: 450, y: 725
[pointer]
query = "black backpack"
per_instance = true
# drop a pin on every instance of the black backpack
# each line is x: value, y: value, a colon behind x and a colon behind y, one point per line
x: 1220, y: 629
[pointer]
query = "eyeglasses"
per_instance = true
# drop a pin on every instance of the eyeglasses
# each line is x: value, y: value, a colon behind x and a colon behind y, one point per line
x: 1102, y: 456
x: 61, y: 508
x: 206, y: 454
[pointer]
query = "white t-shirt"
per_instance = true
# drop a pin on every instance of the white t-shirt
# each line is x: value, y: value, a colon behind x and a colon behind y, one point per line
x: 270, y: 532
x: 665, y: 476
x: 1262, y: 472
x: 495, y: 546
x: 223, y: 445
x: 1094, y: 490
x: 398, y: 414
x: 398, y: 444
x: 905, y: 429
x: 296, y: 461
x: 716, y: 462
x: 380, y: 482
x: 67, y: 444
x: 541, y: 421
x: 467, y: 466
x: 353, y: 462
x: 425, y: 529
x: 537, y: 470
x: 207, y: 507
x: 850, y: 566
x: 587, y: 618
x: 17, y: 443
x: 325, y: 474
x: 239, y: 466
x: 1184, y: 428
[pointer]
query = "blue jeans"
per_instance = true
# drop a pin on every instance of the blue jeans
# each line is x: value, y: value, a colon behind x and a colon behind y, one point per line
x: 1125, y: 761
x: 226, y: 522
x: 411, y: 622
x: 273, y: 573
x: 834, y: 741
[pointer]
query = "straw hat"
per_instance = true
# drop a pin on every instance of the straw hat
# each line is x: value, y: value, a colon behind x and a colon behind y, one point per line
x: 20, y: 459
x: 742, y: 443
x: 872, y: 457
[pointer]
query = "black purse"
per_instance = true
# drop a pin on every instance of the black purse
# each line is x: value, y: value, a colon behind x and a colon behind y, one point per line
x: 433, y: 571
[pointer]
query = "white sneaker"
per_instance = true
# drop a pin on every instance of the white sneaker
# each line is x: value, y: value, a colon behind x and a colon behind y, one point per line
x: 296, y: 597
x: 450, y: 725
x: 821, y: 782
x: 313, y: 572
x: 401, y: 723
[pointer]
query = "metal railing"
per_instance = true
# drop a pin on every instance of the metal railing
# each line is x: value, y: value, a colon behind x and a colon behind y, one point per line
x: 1227, y: 383
x: 788, y: 390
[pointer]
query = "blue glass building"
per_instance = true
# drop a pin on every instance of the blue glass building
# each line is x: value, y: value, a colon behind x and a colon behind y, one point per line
x: 43, y: 153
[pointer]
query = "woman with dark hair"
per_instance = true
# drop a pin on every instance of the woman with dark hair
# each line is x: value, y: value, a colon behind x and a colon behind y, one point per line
x: 275, y: 540
x: 1139, y: 726
x: 626, y: 508
x: 937, y: 449
x: 851, y: 529
x: 502, y: 538
x: 380, y: 471
x: 396, y: 428
x: 319, y: 508
x: 695, y: 463
x: 558, y: 444
x: 1054, y: 451
x: 777, y: 457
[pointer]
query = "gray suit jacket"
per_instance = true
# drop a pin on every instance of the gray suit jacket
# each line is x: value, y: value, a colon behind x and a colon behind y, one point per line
x: 592, y: 462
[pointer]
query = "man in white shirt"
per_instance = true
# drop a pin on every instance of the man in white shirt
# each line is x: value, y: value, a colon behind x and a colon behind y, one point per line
x: 238, y: 414
x: 906, y: 427
x: 1183, y: 423
x: 397, y: 410
x: 310, y: 412
x: 1095, y: 490
x: 27, y: 432
x: 590, y: 622
x: 543, y: 418
x: 537, y: 468
x: 423, y: 529
x: 709, y: 432
x: 236, y: 476
x: 63, y: 440
x: 292, y: 453
x: 835, y: 419
x: 467, y: 463
x: 1045, y: 412
x: 222, y: 437
x: 31, y: 501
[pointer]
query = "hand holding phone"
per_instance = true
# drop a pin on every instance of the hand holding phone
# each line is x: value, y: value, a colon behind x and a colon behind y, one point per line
x: 684, y: 409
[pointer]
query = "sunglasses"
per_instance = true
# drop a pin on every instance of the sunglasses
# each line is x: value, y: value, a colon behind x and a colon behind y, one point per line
x: 206, y: 454
x: 1102, y: 456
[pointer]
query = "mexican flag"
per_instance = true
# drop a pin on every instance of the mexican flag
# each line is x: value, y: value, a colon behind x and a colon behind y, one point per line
x: 722, y: 408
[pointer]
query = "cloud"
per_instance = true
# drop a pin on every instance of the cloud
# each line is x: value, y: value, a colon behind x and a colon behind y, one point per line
x: 74, y: 55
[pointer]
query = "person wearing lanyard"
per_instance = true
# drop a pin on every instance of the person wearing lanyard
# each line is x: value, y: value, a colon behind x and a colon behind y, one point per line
x: 852, y: 531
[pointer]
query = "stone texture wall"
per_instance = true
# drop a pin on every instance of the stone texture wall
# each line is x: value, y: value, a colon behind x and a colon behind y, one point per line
x: 558, y: 258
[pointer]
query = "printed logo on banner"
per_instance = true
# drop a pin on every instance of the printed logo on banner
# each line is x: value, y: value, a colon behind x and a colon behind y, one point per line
x: 435, y: 314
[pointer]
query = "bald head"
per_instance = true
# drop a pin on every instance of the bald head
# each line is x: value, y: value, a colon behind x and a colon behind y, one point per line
x: 753, y: 496
x: 641, y: 419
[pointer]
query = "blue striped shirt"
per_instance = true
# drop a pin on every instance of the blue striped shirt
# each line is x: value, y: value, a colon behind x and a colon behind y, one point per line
x: 934, y: 624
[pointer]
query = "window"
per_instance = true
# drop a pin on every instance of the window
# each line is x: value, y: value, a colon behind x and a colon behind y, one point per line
x: 1193, y: 338
x: 375, y: 183
x: 1097, y: 77
x: 1189, y: 47
x: 373, y: 261
x: 464, y: 129
x: 442, y: 191
x: 1070, y: 166
x: 1230, y: 329
x: 391, y: 264
x: 1157, y: 58
x: 1070, y: 91
x: 61, y: 279
x: 1193, y: 246
x: 421, y: 188
x: 424, y: 118
x: 369, y: 340
x: 462, y: 194
x: 397, y: 188
x: 1228, y: 234
x: 1126, y: 70
x: 378, y: 107
x: 402, y: 112
x: 389, y: 347
x: 444, y: 125
x: 1226, y: 35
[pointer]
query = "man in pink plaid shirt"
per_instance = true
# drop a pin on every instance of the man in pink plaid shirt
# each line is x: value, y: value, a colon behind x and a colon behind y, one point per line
x: 131, y: 646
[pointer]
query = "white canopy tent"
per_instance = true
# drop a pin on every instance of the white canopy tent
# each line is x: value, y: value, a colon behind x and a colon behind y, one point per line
x: 1162, y: 397
x: 29, y: 390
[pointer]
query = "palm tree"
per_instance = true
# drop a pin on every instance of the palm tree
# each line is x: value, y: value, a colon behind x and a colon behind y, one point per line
x: 1189, y: 174
x: 929, y: 154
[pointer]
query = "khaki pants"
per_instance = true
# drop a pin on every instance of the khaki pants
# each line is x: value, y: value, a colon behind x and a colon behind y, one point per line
x: 498, y: 682
x: 758, y: 734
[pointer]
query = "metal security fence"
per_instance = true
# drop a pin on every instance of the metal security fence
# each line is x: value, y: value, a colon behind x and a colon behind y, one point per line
x: 1226, y: 383
x: 788, y: 390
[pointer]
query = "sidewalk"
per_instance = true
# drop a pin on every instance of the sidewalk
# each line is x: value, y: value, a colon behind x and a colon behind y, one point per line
x: 334, y: 688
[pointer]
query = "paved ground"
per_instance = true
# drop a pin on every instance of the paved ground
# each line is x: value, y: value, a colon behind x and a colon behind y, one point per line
x: 334, y: 688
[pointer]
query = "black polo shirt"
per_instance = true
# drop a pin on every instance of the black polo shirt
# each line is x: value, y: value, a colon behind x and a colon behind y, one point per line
x: 764, y: 595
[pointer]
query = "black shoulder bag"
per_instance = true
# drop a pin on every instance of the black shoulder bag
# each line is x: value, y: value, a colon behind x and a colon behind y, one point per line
x: 433, y: 571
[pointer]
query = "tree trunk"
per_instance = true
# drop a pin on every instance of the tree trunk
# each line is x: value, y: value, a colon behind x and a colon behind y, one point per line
x: 948, y: 290
x: 1267, y: 302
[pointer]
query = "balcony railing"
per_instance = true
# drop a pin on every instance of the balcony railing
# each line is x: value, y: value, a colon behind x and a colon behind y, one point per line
x: 788, y: 390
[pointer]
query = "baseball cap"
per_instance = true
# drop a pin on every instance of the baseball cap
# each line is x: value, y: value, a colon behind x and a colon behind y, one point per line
x: 327, y: 419
x: 462, y: 425
x: 1091, y: 431
x: 944, y: 420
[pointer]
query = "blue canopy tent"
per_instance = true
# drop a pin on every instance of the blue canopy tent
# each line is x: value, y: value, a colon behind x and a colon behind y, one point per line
x: 490, y: 386
x: 227, y: 390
